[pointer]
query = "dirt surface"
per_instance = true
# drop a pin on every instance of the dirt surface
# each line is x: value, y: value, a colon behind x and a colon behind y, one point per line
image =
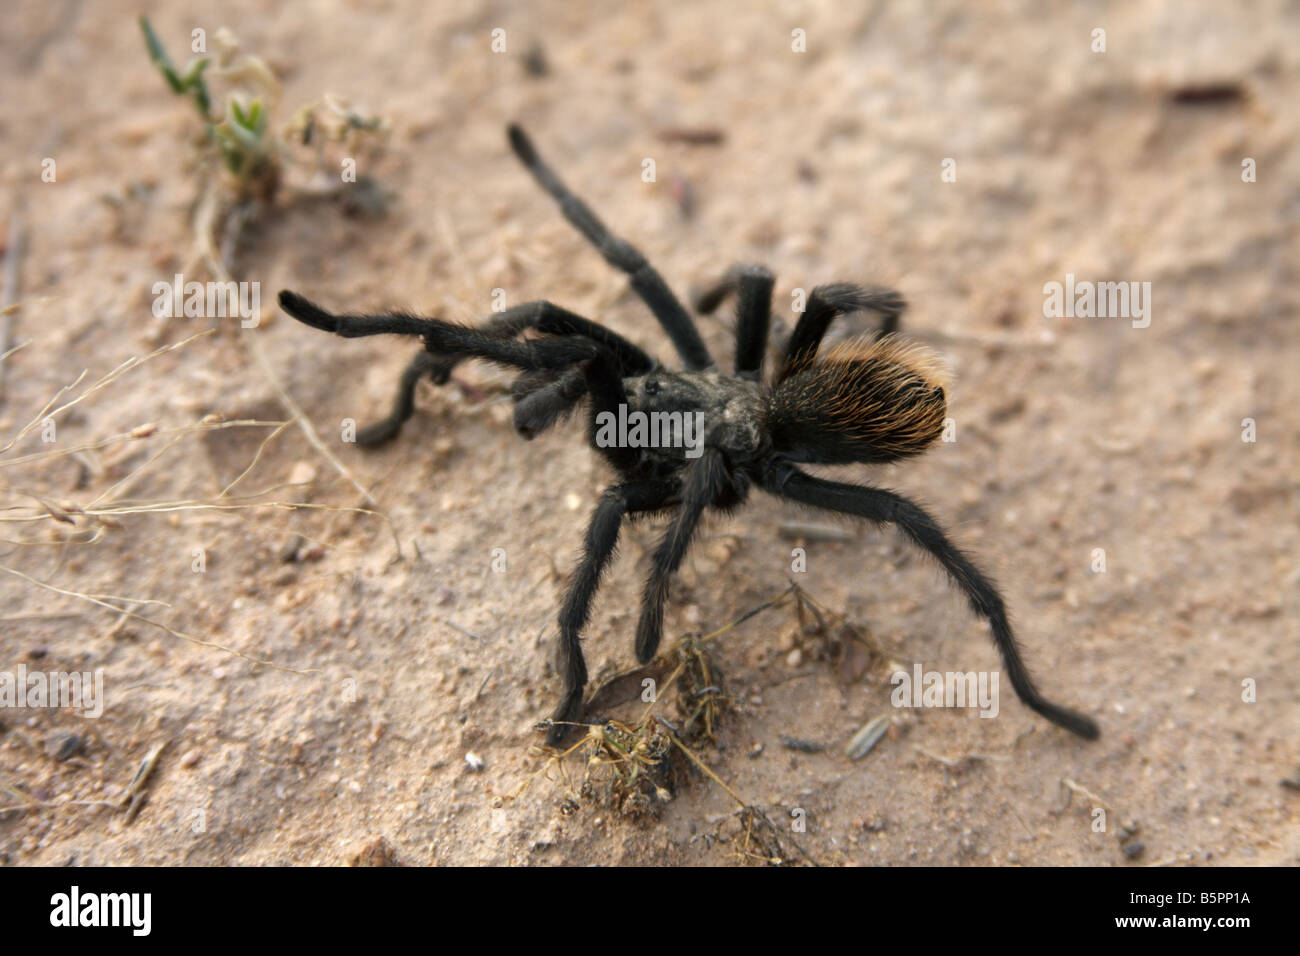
x: 333, y: 722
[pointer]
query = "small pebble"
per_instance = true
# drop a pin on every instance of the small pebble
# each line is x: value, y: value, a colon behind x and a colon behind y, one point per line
x: 302, y: 473
x: 64, y: 746
x: 803, y: 746
x: 867, y: 737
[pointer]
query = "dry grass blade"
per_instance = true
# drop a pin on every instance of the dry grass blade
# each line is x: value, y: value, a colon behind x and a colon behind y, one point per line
x: 162, y: 627
x: 49, y: 411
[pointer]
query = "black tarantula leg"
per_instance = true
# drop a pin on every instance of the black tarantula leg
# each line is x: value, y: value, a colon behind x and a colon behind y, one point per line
x: 825, y: 303
x: 448, y: 338
x: 598, y: 549
x: 753, y: 318
x: 753, y: 284
x: 707, y: 300
x: 619, y: 253
x: 540, y: 404
x: 403, y: 405
x: 704, y: 482
x: 550, y: 319
x: 881, y: 506
x: 542, y: 316
x: 605, y: 384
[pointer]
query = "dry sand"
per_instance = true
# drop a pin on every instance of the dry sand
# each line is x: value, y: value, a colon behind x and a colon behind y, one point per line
x: 1073, y: 434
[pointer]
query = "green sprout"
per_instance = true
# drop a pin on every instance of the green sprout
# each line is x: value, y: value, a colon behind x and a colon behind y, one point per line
x: 241, y: 136
x: 191, y: 82
x: 258, y: 160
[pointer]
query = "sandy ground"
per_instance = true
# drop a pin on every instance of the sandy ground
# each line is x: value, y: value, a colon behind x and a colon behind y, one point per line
x: 1073, y: 434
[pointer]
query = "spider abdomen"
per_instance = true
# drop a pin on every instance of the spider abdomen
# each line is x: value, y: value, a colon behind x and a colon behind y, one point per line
x: 870, y: 403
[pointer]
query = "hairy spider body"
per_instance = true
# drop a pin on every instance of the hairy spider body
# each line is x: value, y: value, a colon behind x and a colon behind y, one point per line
x: 874, y: 401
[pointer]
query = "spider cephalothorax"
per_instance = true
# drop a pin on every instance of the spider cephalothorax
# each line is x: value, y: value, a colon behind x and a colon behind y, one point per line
x: 686, y: 442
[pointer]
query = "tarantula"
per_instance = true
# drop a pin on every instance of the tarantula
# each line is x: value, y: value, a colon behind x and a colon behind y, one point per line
x: 875, y: 400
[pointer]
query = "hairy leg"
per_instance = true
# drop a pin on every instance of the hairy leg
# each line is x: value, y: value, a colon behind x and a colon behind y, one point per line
x: 753, y: 319
x: 541, y: 316
x: 825, y: 303
x: 881, y: 506
x: 619, y: 253
x: 598, y: 549
x: 387, y: 428
x: 539, y: 408
x: 704, y: 482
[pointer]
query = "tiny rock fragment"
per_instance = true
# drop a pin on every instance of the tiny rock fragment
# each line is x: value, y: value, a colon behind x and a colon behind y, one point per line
x: 535, y: 64
x: 474, y: 761
x: 1128, y: 829
x: 1207, y: 93
x: 693, y: 136
x: 290, y: 551
x: 803, y: 746
x: 64, y: 746
x: 788, y: 639
x: 867, y: 737
x: 302, y: 473
x: 191, y: 757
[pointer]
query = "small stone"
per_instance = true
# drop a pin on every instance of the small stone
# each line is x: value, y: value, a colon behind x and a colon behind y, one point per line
x: 191, y: 757
x: 291, y: 548
x: 474, y: 761
x: 63, y: 746
x: 1128, y: 829
x: 302, y: 473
